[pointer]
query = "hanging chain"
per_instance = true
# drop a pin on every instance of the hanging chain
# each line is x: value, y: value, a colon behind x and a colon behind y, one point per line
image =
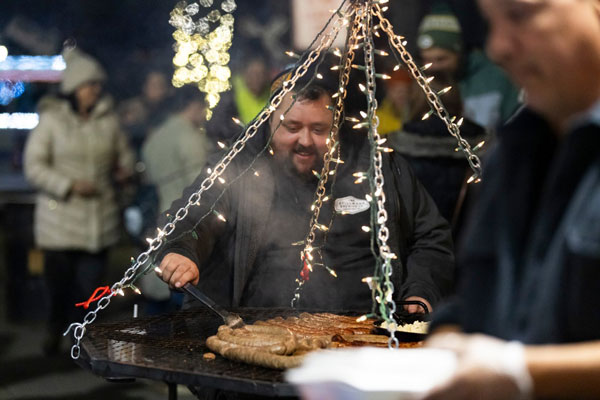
x: 332, y: 147
x: 387, y: 306
x: 432, y: 97
x: 194, y: 199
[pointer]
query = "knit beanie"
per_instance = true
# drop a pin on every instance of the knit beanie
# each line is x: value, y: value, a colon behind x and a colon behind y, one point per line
x: 440, y: 29
x: 81, y: 68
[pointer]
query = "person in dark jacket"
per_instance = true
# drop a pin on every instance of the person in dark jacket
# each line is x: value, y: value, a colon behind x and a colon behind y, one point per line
x: 530, y: 271
x: 245, y: 252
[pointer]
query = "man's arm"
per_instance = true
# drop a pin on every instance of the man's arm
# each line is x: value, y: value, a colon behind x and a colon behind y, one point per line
x: 194, y: 237
x: 430, y: 260
x: 494, y: 369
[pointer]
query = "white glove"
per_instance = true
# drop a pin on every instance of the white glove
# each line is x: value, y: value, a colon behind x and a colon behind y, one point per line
x: 487, y: 368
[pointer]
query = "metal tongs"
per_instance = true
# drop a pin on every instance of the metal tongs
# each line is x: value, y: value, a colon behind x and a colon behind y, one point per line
x: 232, y: 320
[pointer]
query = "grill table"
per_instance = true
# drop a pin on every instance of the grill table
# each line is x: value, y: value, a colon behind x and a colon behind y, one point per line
x: 170, y: 347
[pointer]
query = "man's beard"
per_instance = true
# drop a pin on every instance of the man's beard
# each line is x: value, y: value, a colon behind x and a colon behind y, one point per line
x: 290, y: 168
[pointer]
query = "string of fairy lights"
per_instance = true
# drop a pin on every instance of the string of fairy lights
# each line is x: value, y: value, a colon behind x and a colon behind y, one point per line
x: 201, y: 47
x: 364, y: 19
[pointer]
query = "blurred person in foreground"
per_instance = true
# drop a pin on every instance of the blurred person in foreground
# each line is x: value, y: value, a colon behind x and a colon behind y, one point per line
x: 73, y: 158
x: 245, y: 251
x: 489, y: 98
x: 530, y: 292
x: 174, y: 155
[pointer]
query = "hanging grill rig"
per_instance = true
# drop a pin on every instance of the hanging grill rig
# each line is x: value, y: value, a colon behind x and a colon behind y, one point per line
x: 362, y: 13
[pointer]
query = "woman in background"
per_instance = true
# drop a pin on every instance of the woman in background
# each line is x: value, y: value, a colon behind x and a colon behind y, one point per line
x: 73, y: 158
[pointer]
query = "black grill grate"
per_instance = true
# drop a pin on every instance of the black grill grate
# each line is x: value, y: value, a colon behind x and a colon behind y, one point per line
x: 170, y: 347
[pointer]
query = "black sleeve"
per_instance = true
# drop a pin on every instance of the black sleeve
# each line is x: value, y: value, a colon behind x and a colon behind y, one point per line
x: 430, y: 260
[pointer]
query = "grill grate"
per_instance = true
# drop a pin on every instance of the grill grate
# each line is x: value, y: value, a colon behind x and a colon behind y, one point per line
x: 170, y: 348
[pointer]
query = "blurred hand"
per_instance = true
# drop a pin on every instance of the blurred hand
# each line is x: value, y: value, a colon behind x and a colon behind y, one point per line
x: 84, y: 188
x: 177, y: 270
x: 488, y: 368
x: 415, y: 308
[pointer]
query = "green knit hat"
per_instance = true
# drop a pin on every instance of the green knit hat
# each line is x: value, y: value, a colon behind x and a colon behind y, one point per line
x: 440, y: 29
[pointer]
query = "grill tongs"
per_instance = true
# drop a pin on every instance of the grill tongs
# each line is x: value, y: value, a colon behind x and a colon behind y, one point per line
x: 232, y: 320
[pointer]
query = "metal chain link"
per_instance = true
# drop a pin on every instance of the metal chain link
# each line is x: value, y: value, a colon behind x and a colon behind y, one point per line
x: 386, y: 300
x: 194, y: 199
x: 332, y: 148
x: 432, y: 97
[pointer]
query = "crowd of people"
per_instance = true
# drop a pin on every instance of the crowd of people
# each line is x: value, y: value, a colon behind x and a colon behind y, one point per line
x: 519, y: 306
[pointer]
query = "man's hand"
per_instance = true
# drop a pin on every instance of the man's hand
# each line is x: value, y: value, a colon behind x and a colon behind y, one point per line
x: 488, y: 368
x: 84, y: 188
x: 177, y: 270
x: 415, y: 308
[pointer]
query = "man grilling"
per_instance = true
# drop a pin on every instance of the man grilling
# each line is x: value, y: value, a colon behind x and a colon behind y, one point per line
x: 245, y: 251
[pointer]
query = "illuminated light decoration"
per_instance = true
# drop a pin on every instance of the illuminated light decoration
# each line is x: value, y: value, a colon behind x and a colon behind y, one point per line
x: 428, y: 80
x: 366, y: 228
x: 426, y: 67
x: 3, y: 53
x: 201, y: 54
x: 290, y: 53
x: 427, y: 115
x: 157, y: 270
x: 32, y: 68
x: 220, y: 216
x: 221, y: 144
x: 479, y: 145
x: 361, y: 318
x: 238, y: 122
x: 444, y: 90
x: 222, y: 180
x: 19, y: 120
x: 397, y: 67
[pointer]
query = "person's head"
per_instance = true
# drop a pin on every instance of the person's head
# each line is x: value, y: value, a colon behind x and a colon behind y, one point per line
x: 397, y: 88
x: 256, y: 75
x: 550, y: 48
x: 189, y: 103
x: 440, y: 42
x: 300, y: 141
x: 82, y: 79
x: 156, y: 87
x: 452, y: 100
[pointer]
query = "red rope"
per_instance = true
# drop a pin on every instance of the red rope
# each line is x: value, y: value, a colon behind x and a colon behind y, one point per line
x: 97, y: 295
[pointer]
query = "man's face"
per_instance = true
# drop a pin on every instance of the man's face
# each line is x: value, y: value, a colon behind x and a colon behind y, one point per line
x: 301, y: 139
x: 550, y: 48
x: 444, y: 62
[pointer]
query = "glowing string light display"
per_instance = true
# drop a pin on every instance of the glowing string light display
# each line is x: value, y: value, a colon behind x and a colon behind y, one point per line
x: 201, y: 51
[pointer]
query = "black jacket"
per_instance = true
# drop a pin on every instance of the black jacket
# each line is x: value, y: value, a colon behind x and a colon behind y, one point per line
x: 226, y: 252
x: 530, y: 267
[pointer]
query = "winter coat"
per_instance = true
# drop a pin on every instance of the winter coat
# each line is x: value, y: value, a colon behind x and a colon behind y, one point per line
x: 174, y: 155
x: 227, y: 251
x: 64, y: 148
x: 530, y: 268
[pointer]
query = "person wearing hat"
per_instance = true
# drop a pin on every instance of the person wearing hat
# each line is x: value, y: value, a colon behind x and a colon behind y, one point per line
x: 489, y: 98
x: 72, y: 158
